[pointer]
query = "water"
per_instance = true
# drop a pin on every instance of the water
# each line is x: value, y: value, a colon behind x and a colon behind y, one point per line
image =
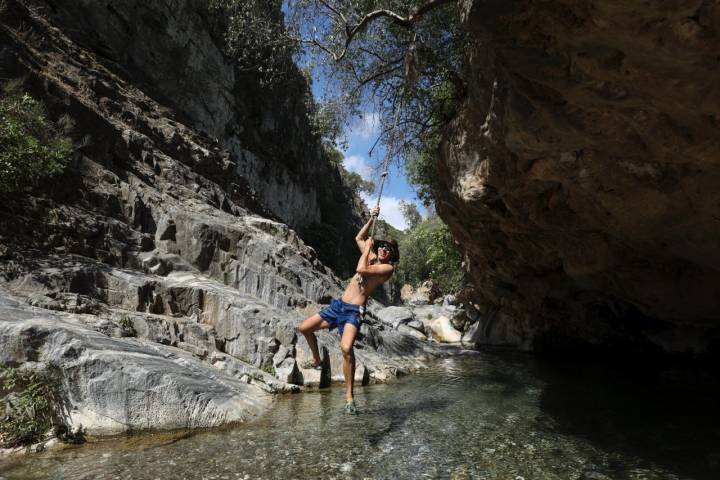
x: 488, y: 416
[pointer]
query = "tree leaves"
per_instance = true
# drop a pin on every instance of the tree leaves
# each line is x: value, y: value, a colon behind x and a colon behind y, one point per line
x: 373, y: 69
x: 428, y: 252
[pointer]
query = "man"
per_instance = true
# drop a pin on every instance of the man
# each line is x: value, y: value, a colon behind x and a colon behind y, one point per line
x: 373, y: 269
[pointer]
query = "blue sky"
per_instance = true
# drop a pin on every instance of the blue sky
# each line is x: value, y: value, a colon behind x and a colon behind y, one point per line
x: 362, y: 134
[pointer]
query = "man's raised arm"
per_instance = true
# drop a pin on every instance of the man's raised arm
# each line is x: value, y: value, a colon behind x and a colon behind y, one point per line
x: 363, y: 233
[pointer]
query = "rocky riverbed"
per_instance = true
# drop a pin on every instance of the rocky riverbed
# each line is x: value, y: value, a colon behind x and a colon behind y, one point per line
x: 487, y: 416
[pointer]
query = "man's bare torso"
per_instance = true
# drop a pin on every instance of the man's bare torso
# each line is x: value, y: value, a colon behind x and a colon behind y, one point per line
x: 357, y: 292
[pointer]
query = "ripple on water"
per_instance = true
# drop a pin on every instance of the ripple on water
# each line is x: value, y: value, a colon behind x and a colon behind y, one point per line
x: 485, y: 417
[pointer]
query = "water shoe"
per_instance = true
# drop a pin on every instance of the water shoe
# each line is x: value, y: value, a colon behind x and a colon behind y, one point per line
x: 309, y: 365
x: 350, y: 407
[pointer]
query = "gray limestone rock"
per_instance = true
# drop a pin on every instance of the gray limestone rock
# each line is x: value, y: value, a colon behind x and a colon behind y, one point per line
x: 417, y: 325
x: 470, y: 337
x: 288, y: 372
x: 114, y: 385
x: 449, y: 300
x: 395, y: 316
x: 413, y: 332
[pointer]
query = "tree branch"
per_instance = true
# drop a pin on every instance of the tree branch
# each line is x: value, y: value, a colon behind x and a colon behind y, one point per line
x: 423, y: 9
x: 405, y: 22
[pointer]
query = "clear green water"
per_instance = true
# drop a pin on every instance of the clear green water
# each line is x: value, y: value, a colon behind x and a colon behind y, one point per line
x: 489, y: 416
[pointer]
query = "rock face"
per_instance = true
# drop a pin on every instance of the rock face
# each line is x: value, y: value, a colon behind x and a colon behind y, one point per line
x: 172, y: 51
x: 581, y: 175
x: 156, y: 271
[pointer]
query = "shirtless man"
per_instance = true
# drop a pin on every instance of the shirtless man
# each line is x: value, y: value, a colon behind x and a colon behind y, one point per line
x: 346, y: 314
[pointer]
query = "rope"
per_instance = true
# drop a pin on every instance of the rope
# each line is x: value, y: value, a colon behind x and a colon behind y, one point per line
x: 410, y: 77
x: 388, y: 157
x: 386, y: 164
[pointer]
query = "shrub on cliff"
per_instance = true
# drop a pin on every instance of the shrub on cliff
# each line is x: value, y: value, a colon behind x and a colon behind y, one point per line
x: 351, y: 180
x: 32, y: 147
x: 256, y: 38
x: 31, y: 406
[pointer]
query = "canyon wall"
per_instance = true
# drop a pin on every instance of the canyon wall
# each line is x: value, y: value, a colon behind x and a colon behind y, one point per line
x: 581, y: 177
x: 174, y: 53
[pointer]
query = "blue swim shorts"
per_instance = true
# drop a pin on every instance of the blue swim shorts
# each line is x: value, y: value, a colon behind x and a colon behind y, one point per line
x: 339, y: 313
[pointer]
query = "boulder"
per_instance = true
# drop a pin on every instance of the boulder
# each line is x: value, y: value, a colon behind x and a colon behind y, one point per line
x: 419, y: 299
x: 288, y: 372
x: 470, y: 337
x: 449, y: 300
x: 443, y: 331
x: 428, y: 312
x: 282, y: 353
x: 458, y: 317
x: 417, y: 325
x: 497, y: 328
x: 122, y: 384
x: 406, y: 292
x: 410, y: 331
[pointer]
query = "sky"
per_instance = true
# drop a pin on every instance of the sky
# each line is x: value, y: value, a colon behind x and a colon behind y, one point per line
x: 362, y: 134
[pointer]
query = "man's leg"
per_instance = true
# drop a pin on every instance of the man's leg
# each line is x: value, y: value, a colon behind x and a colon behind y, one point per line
x: 307, y: 328
x: 346, y: 345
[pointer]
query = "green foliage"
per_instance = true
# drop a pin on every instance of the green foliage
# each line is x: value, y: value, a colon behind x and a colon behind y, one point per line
x: 352, y: 180
x: 428, y: 252
x: 356, y: 183
x: 31, y: 406
x: 32, y: 147
x: 372, y: 67
x: 325, y: 118
x: 128, y: 326
x: 411, y: 214
x: 256, y: 38
x: 421, y: 170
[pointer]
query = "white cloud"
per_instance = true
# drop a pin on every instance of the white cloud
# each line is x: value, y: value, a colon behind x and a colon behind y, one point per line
x: 366, y: 126
x: 358, y: 164
x: 389, y: 210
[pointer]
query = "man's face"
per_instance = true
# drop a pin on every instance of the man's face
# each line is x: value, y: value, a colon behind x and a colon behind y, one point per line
x: 384, y: 253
